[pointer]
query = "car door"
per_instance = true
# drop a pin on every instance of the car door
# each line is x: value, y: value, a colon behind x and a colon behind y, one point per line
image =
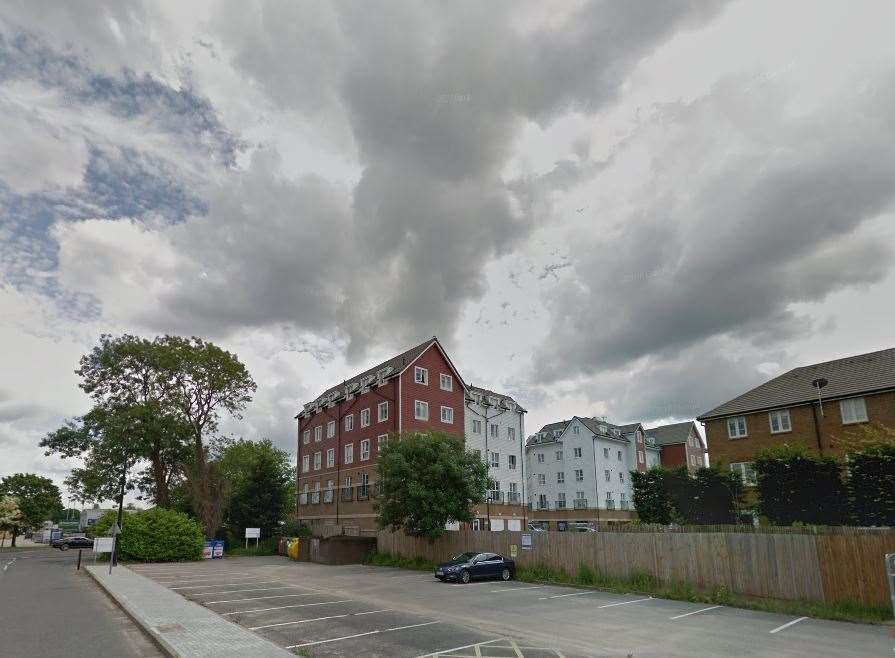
x: 491, y: 565
x: 479, y: 566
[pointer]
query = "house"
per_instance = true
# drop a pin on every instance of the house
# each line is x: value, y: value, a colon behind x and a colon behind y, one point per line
x: 495, y: 427
x: 681, y: 444
x: 579, y: 471
x: 812, y: 405
x: 341, y: 431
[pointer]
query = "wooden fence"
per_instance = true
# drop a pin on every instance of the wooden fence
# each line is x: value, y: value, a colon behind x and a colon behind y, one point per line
x: 831, y: 567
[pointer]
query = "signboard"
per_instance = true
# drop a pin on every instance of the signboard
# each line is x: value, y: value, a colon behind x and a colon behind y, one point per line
x: 526, y: 542
x: 514, y: 525
x: 253, y: 533
x: 514, y: 550
x: 103, y: 544
x: 497, y: 525
x: 208, y: 550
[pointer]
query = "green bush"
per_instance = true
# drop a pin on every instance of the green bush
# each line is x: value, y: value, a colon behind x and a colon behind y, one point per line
x: 155, y: 535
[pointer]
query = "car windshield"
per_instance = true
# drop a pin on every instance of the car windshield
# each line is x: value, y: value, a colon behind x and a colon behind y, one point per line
x: 463, y: 557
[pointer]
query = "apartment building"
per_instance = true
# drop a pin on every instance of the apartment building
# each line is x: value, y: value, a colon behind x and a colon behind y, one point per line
x: 341, y: 432
x: 681, y: 444
x: 812, y: 405
x: 495, y: 427
x: 579, y: 471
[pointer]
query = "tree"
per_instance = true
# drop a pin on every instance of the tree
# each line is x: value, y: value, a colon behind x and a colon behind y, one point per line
x: 11, y: 517
x: 427, y: 480
x: 262, y: 483
x: 154, y: 535
x: 870, y: 455
x: 38, y: 499
x: 651, y: 499
x: 709, y: 496
x: 796, y: 486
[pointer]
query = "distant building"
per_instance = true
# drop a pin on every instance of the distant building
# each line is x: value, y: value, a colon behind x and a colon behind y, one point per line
x: 812, y: 406
x: 90, y: 516
x: 579, y: 471
x: 681, y: 445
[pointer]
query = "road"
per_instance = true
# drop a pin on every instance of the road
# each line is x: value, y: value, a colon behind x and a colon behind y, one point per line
x: 49, y: 609
x: 358, y: 610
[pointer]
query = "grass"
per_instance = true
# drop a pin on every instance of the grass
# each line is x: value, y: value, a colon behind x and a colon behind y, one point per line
x: 266, y: 546
x: 306, y: 653
x: 643, y: 583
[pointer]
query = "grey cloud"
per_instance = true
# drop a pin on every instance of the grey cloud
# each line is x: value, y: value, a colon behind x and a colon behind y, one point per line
x: 725, y: 250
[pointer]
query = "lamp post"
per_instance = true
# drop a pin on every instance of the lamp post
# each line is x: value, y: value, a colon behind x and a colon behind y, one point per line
x: 818, y: 383
x: 118, y: 525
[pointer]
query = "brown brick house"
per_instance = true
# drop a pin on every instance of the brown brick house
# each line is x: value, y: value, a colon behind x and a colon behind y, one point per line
x: 681, y: 444
x: 812, y: 405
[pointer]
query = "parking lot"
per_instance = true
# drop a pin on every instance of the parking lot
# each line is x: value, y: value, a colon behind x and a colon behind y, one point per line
x: 359, y: 610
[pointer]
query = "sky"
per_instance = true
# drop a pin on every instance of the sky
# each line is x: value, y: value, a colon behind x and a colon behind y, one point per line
x: 637, y: 210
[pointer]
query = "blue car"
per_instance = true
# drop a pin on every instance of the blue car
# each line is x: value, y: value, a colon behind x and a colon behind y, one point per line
x: 472, y: 566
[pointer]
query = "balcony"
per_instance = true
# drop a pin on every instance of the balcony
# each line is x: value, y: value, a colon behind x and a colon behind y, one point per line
x: 328, y: 496
x: 347, y: 494
x: 610, y: 504
x: 363, y: 492
x: 580, y: 503
x: 623, y: 504
x: 514, y: 498
x: 560, y: 504
x: 495, y: 497
x: 542, y: 505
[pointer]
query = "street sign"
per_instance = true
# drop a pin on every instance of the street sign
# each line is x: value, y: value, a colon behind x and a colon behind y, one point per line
x: 513, y: 550
x: 103, y: 544
x: 253, y: 533
x: 526, y: 542
x: 114, y: 530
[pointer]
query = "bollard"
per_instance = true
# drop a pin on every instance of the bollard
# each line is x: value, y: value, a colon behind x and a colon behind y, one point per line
x: 79, y: 559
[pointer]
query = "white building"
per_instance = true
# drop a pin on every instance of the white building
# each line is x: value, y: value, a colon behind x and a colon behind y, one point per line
x: 579, y: 471
x: 495, y: 429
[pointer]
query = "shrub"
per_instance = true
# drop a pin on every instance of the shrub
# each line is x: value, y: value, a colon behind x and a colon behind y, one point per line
x: 292, y: 527
x: 155, y: 535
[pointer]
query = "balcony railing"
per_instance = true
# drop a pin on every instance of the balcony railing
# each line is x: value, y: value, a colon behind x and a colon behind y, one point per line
x: 610, y: 504
x: 347, y: 494
x: 580, y: 503
x: 495, y: 497
x: 542, y: 504
x: 623, y: 504
x: 363, y: 492
x: 328, y: 496
x: 514, y: 497
x: 560, y: 504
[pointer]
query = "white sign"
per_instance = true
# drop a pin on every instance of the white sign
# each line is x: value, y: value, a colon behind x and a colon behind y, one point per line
x: 103, y: 544
x: 253, y: 533
x: 526, y: 542
x: 514, y: 524
x: 497, y: 525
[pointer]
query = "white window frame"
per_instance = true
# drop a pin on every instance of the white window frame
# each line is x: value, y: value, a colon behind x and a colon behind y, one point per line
x: 621, y: 476
x: 382, y: 417
x: 330, y: 429
x: 579, y: 475
x: 511, y: 433
x: 495, y: 430
x: 447, y: 414
x: 608, y: 473
x: 560, y: 477
x: 641, y: 457
x: 349, y: 454
x: 494, y: 460
x: 420, y: 410
x: 476, y: 427
x: 365, y: 449
x: 542, y: 479
x: 305, y: 463
x: 318, y: 460
x: 365, y: 417
x: 780, y: 415
x: 540, y: 457
x: 306, y: 437
x: 421, y: 375
x: 576, y: 452
x: 741, y: 469
x: 445, y: 382
x: 381, y: 440
x: 349, y: 422
x: 559, y: 455
x: 738, y: 432
x: 605, y: 453
x: 848, y: 406
x: 330, y: 457
x: 511, y: 462
x: 575, y: 429
x: 318, y: 433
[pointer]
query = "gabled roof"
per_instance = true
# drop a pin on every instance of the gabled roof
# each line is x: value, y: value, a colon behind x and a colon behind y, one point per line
x: 485, y: 391
x: 853, y: 375
x: 666, y: 435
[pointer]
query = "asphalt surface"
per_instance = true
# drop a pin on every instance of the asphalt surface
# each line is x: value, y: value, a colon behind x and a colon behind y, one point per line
x: 50, y: 610
x: 358, y: 610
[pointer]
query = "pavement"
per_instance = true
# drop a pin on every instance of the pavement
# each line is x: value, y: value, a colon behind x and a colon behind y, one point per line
x: 360, y: 610
x: 50, y: 610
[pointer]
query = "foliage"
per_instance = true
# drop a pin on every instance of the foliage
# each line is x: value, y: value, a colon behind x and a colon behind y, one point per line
x: 38, y: 499
x: 651, y: 499
x: 795, y: 486
x: 427, y: 480
x: 11, y: 516
x: 261, y: 482
x: 293, y: 527
x: 417, y: 563
x: 708, y: 497
x: 266, y: 546
x: 155, y: 535
x: 870, y: 455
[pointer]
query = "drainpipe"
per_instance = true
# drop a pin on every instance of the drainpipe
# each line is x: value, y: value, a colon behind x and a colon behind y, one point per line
x: 522, y: 457
x: 596, y: 479
x: 820, y: 447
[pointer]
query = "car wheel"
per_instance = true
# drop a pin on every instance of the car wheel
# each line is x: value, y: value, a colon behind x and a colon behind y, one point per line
x: 63, y: 547
x: 464, y: 576
x: 441, y: 578
x: 505, y: 574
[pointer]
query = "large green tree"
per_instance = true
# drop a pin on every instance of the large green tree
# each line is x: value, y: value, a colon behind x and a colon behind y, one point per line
x: 38, y: 499
x: 426, y: 480
x: 262, y: 483
x: 11, y: 517
x: 870, y: 454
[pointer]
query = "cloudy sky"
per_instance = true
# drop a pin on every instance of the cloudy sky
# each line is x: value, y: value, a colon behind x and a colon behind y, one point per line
x: 630, y: 209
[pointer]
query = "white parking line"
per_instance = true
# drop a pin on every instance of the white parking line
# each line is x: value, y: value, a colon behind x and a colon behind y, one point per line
x: 465, y: 646
x: 348, y: 637
x: 788, y: 624
x: 695, y: 612
x: 610, y: 605
x: 561, y: 596
x: 260, y: 582
x: 308, y: 621
x: 234, y: 591
x: 283, y: 607
x: 516, y: 589
x: 371, y: 612
x: 258, y: 598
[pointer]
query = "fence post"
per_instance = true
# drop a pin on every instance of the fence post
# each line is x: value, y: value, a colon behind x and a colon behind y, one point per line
x: 890, y: 573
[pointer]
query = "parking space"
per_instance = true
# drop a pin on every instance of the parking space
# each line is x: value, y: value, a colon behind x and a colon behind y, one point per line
x: 359, y: 610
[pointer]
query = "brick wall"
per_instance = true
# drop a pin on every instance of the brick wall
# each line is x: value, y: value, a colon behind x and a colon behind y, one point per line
x: 434, y: 361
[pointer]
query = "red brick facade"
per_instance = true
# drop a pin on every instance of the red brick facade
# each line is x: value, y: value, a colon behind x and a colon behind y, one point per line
x: 436, y: 365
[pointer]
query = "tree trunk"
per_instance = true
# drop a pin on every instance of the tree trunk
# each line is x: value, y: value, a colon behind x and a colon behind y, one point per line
x: 159, y: 475
x: 14, y: 532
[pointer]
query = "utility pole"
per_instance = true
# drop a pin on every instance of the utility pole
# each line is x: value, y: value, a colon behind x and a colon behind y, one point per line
x: 114, y: 560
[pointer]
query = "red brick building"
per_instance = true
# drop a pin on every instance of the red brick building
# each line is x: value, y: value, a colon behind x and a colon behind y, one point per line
x: 681, y: 444
x: 341, y: 432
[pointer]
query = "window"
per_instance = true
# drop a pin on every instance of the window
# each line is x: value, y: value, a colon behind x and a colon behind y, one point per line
x: 577, y: 453
x: 608, y: 475
x: 542, y: 479
x: 421, y: 410
x: 511, y: 433
x: 330, y: 429
x: 495, y: 460
x: 621, y: 476
x: 421, y: 376
x: 349, y: 454
x: 383, y: 411
x: 347, y: 480
x: 745, y: 471
x: 494, y: 430
x: 619, y: 455
x: 514, y: 488
x: 853, y: 410
x: 381, y: 440
x: 540, y: 457
x: 559, y: 455
x: 476, y: 427
x: 561, y: 499
x: 575, y: 429
x: 306, y: 437
x: 640, y: 458
x: 330, y: 457
x: 317, y: 460
x: 560, y: 478
x: 779, y: 421
x: 511, y: 462
x: 318, y: 433
x: 736, y: 427
x: 305, y: 463
x: 349, y: 422
x: 579, y: 476
x: 445, y: 382
x: 365, y: 418
x: 365, y: 449
x: 605, y: 453
x: 542, y: 501
x: 447, y: 414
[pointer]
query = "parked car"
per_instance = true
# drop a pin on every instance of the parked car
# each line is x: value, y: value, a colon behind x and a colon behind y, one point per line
x: 470, y: 566
x: 72, y: 542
